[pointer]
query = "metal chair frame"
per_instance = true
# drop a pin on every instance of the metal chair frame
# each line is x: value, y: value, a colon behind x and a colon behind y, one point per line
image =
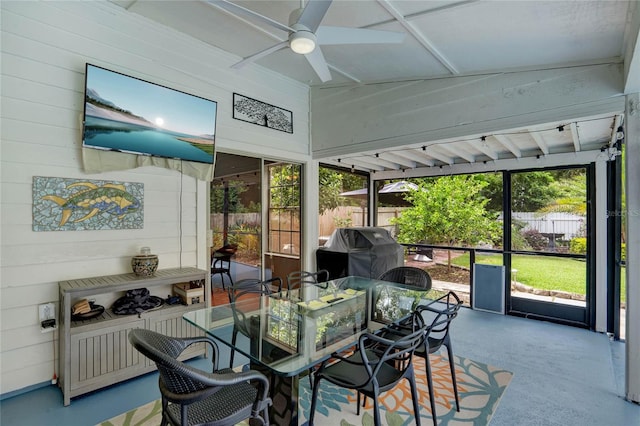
x: 299, y: 279
x: 221, y: 263
x: 377, y: 365
x: 244, y: 288
x: 441, y: 313
x: 408, y: 275
x: 193, y: 396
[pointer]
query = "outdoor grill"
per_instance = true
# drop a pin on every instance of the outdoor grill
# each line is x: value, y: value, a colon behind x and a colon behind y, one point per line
x: 365, y: 252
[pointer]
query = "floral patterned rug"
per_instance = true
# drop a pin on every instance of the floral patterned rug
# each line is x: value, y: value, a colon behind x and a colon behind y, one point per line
x: 480, y: 388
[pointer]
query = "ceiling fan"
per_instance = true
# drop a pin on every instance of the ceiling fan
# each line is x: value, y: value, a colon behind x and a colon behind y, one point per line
x: 306, y: 34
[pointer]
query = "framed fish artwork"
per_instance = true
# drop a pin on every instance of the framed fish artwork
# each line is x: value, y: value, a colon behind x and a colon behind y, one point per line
x: 63, y: 204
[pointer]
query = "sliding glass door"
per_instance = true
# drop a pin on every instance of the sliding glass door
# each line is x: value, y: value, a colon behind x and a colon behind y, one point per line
x: 241, y: 187
x: 236, y: 215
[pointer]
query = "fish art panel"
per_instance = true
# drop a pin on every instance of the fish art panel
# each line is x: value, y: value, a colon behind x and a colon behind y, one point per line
x: 63, y: 204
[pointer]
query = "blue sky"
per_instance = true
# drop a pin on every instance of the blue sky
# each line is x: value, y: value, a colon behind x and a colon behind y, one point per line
x: 177, y: 111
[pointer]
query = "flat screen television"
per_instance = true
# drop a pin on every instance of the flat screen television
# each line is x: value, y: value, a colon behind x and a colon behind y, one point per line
x: 126, y: 114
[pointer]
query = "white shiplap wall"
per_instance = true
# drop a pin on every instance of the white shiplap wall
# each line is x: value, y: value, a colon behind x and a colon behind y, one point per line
x: 45, y: 46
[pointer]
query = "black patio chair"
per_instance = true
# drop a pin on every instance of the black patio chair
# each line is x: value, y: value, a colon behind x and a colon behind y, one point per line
x: 299, y: 279
x: 194, y: 397
x: 221, y: 262
x: 376, y: 366
x: 408, y: 275
x: 246, y: 290
x: 437, y: 316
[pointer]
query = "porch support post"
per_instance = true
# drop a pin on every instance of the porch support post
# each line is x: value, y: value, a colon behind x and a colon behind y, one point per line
x: 601, y: 247
x: 632, y: 190
x: 309, y: 215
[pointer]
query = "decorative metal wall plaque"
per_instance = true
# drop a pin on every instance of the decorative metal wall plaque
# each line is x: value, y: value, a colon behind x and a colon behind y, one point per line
x: 262, y: 114
x: 61, y: 204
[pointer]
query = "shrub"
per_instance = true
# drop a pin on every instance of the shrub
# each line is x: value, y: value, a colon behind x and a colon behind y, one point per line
x: 578, y: 245
x: 342, y: 222
x: 518, y: 242
x: 536, y: 240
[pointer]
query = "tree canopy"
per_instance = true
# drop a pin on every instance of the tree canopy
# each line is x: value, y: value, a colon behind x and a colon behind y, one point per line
x: 448, y: 210
x: 234, y: 190
x: 333, y: 183
x: 530, y: 191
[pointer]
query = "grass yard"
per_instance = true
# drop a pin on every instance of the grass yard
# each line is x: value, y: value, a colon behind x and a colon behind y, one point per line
x: 543, y: 272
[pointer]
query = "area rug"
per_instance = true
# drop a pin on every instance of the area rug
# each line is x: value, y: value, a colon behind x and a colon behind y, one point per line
x: 480, y: 388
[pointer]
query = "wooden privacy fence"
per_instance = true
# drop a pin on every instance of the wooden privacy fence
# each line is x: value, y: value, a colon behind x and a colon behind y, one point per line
x: 348, y: 216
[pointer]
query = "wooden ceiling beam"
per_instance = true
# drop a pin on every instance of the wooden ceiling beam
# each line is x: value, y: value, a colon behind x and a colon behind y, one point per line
x: 504, y: 141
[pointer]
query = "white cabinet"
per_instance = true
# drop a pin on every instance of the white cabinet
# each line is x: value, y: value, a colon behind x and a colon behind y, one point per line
x: 95, y: 353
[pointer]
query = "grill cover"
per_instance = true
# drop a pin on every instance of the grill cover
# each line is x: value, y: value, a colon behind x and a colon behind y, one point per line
x: 365, y: 252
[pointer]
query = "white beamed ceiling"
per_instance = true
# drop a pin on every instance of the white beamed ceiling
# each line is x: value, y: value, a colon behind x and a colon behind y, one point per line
x: 444, y: 39
x: 591, y: 135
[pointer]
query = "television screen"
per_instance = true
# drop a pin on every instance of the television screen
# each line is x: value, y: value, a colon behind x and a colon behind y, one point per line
x: 126, y: 114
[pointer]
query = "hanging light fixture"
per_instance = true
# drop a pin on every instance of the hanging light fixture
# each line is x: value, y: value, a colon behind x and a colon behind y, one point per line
x: 302, y: 42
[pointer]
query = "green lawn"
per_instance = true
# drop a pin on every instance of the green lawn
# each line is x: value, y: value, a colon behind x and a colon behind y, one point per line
x: 543, y: 272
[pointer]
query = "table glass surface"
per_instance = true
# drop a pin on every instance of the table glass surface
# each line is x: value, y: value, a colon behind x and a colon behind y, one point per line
x: 290, y: 332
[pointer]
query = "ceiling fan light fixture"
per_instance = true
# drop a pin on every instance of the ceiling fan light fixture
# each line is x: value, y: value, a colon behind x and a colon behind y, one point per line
x: 302, y: 42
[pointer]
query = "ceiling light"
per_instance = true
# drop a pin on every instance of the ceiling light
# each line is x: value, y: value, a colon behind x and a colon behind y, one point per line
x: 302, y: 42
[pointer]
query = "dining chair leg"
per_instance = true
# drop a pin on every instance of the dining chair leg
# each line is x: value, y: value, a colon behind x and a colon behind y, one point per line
x: 453, y: 372
x: 314, y: 397
x: 311, y: 370
x: 358, y: 404
x: 414, y: 397
x: 376, y: 411
x: 233, y: 345
x: 432, y: 392
x: 265, y: 416
x: 165, y: 404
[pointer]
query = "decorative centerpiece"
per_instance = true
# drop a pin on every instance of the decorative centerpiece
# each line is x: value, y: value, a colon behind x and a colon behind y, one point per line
x: 144, y: 264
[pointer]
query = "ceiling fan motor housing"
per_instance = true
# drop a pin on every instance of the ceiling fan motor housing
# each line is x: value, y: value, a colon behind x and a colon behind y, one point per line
x: 302, y: 40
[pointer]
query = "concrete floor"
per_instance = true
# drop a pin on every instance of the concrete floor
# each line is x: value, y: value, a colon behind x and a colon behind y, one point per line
x: 562, y: 376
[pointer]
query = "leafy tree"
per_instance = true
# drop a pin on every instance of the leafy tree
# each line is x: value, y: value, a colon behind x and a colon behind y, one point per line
x: 492, y: 190
x: 448, y: 210
x: 235, y: 189
x: 285, y: 185
x: 333, y: 183
x: 330, y: 189
x: 571, y: 188
x: 530, y: 191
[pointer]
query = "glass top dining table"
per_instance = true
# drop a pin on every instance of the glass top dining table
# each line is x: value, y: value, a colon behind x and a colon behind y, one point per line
x: 285, y: 334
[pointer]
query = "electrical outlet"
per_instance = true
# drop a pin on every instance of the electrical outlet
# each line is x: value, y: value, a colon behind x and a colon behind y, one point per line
x: 47, y: 316
x: 47, y: 311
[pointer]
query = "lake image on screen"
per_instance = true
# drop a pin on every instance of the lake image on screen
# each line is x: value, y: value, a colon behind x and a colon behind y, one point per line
x: 127, y: 137
x: 129, y: 115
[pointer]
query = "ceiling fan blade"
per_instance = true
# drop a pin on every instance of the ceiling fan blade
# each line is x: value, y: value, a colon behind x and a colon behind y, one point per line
x: 260, y: 54
x: 239, y: 10
x: 319, y: 64
x: 344, y: 35
x: 313, y: 13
